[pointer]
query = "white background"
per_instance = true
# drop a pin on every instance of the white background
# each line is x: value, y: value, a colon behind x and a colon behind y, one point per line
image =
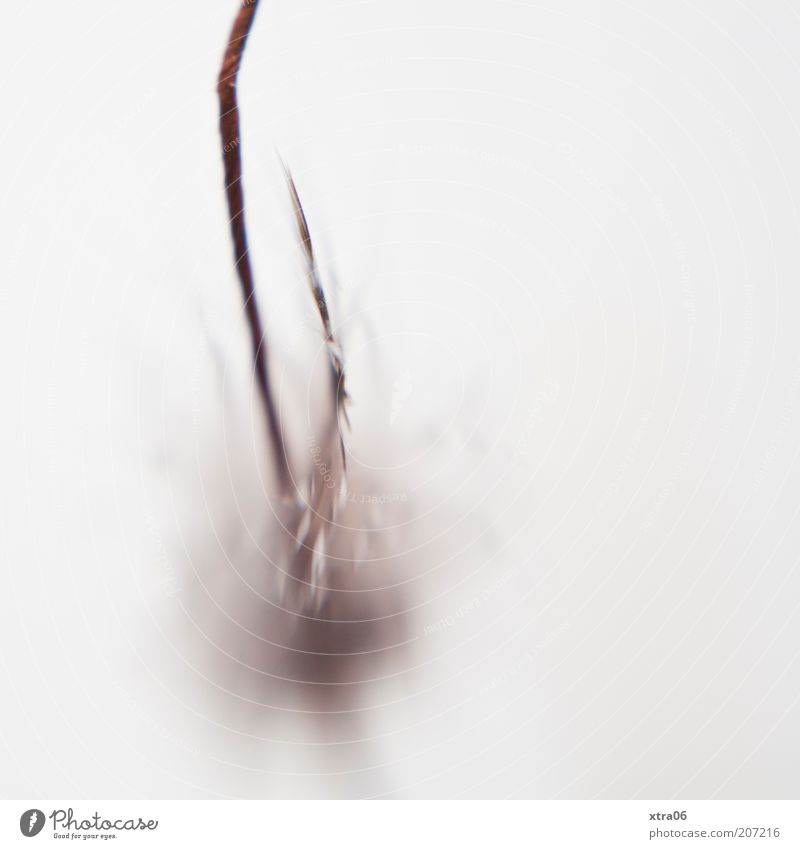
x: 562, y: 246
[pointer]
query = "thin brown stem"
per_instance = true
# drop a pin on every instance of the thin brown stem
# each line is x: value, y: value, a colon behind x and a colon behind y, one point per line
x: 231, y: 154
x: 317, y: 292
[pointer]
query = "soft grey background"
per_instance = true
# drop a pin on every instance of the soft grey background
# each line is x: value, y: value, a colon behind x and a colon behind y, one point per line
x: 563, y: 249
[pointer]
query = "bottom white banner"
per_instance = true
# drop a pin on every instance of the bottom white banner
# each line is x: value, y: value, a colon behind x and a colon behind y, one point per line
x: 137, y: 823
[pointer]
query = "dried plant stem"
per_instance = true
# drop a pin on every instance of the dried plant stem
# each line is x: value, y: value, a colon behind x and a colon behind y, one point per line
x: 334, y: 351
x: 310, y: 523
x: 230, y: 132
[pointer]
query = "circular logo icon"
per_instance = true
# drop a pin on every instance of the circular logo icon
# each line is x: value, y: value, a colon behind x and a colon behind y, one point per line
x: 31, y: 822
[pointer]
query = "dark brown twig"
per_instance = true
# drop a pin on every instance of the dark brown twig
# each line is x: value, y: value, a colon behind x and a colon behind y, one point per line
x: 229, y: 130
